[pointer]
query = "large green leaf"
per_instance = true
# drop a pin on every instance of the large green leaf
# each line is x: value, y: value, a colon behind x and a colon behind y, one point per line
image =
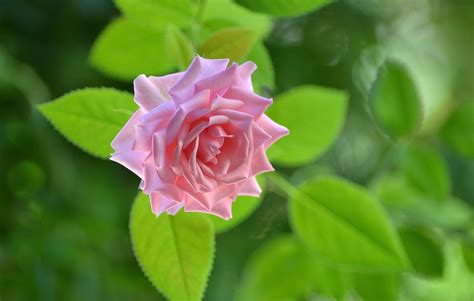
x: 178, y: 47
x: 126, y: 49
x: 159, y: 12
x: 425, y: 170
x: 90, y: 118
x: 314, y: 116
x: 174, y: 252
x: 458, y: 132
x: 343, y: 224
x: 283, y: 8
x: 279, y: 270
x: 424, y: 251
x: 395, y: 101
x: 227, y: 10
x: 242, y: 208
x: 232, y: 43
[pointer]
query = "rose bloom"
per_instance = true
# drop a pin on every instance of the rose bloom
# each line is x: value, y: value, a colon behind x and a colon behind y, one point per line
x: 198, y: 138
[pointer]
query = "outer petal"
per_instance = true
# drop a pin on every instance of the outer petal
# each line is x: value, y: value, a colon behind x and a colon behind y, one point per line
x: 125, y: 138
x: 132, y: 160
x: 251, y: 188
x: 254, y: 104
x: 272, y: 128
x: 160, y: 203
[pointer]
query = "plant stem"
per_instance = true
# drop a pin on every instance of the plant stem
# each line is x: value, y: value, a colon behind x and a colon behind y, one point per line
x: 281, y: 184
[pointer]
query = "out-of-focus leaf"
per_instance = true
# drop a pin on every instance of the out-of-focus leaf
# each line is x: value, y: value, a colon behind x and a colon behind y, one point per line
x: 279, y: 270
x: 342, y: 223
x: 456, y: 283
x: 424, y: 252
x: 90, y: 118
x: 174, y: 252
x: 126, y: 49
x: 314, y: 116
x: 25, y: 179
x: 283, y: 8
x: 376, y: 287
x: 242, y: 208
x: 227, y: 10
x: 403, y: 200
x: 468, y: 255
x: 395, y: 101
x: 232, y: 43
x: 330, y: 281
x: 159, y: 12
x: 178, y: 47
x: 264, y: 77
x: 425, y: 170
x: 458, y: 131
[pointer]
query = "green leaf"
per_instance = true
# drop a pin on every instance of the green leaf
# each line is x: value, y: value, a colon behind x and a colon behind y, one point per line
x: 126, y: 49
x: 174, y: 252
x: 178, y: 47
x: 283, y: 8
x: 279, y: 270
x: 425, y: 170
x: 468, y: 255
x: 264, y: 77
x: 424, y: 251
x: 90, y: 118
x: 395, y: 100
x: 329, y: 280
x: 403, y: 200
x: 242, y: 208
x: 343, y: 224
x: 314, y: 115
x: 232, y: 43
x: 376, y: 287
x: 229, y: 11
x: 458, y: 132
x: 158, y: 12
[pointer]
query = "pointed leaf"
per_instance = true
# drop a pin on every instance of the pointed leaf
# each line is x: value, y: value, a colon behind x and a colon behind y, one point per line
x: 90, y: 118
x: 126, y: 49
x: 174, y: 252
x: 314, y: 116
x: 232, y: 43
x: 343, y: 224
x: 395, y: 101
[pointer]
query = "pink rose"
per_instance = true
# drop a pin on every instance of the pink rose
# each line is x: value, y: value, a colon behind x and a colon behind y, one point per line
x: 199, y: 137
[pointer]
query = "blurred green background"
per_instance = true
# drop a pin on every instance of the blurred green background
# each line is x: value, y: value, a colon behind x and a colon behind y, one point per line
x: 64, y: 215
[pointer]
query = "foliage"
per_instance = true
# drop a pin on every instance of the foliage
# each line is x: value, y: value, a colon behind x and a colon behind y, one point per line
x: 372, y: 197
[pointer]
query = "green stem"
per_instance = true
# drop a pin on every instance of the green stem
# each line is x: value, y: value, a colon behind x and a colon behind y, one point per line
x: 281, y: 184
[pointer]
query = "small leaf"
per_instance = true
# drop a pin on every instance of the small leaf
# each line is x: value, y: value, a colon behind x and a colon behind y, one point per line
x: 425, y: 170
x: 242, y: 208
x: 329, y: 280
x: 424, y: 251
x: 458, y: 132
x: 126, y: 49
x: 90, y: 118
x: 283, y: 8
x: 178, y: 47
x: 228, y: 11
x: 343, y: 224
x: 174, y: 252
x: 314, y: 116
x: 232, y: 43
x: 395, y: 101
x: 158, y: 12
x: 279, y: 270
